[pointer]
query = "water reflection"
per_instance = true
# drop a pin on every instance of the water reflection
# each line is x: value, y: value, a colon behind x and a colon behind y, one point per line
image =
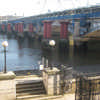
x: 24, y: 54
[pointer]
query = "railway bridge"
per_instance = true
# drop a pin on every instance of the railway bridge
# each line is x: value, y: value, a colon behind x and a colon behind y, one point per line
x: 82, y: 24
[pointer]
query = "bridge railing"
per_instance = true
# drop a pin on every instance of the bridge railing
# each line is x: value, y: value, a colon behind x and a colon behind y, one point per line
x: 94, y: 29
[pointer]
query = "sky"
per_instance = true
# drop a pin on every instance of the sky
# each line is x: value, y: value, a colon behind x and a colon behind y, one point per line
x: 35, y: 7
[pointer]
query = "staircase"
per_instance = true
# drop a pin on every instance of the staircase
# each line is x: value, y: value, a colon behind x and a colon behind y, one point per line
x: 32, y: 90
x: 29, y: 90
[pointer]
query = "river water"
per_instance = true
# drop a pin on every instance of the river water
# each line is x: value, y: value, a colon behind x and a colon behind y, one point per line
x: 26, y: 54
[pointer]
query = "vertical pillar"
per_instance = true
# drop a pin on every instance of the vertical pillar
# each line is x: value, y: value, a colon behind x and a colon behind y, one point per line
x: 3, y: 27
x: 64, y: 30
x: 31, y: 27
x: 51, y: 80
x: 20, y: 27
x: 76, y: 29
x: 9, y: 27
x: 16, y: 27
x: 61, y: 32
x: 47, y: 29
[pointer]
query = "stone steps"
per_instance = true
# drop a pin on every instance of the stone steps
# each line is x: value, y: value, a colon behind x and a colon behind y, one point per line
x: 28, y: 85
x: 33, y: 90
x: 29, y: 89
x: 30, y: 97
x: 30, y: 93
x: 40, y: 97
x: 28, y: 76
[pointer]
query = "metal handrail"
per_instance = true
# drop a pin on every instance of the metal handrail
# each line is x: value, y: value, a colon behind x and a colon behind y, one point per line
x: 94, y: 29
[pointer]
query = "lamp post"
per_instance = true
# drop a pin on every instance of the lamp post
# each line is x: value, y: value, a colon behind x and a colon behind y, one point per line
x: 52, y: 44
x: 5, y: 44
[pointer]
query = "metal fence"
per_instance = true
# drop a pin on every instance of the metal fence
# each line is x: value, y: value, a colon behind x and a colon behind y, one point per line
x: 66, y: 78
x: 87, y: 88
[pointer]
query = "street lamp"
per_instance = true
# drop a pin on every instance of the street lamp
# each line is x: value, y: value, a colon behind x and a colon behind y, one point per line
x: 5, y: 44
x: 52, y: 44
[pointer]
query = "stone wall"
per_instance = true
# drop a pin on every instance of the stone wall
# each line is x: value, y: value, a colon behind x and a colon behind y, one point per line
x: 7, y: 86
x: 51, y: 80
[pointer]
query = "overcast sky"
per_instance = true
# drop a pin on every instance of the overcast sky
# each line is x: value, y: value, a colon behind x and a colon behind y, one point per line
x: 33, y: 7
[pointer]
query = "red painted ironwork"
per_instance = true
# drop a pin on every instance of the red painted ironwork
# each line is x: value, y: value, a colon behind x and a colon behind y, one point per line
x: 64, y: 30
x: 9, y: 27
x: 20, y: 27
x: 61, y: 30
x: 31, y: 27
x: 16, y: 27
x: 47, y: 29
x: 3, y: 27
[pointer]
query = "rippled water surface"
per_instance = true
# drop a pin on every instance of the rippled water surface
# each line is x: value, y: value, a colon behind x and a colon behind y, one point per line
x: 26, y: 54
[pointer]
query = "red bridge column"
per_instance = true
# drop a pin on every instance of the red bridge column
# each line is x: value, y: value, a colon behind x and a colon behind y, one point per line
x: 47, y: 29
x: 9, y: 27
x: 16, y: 27
x: 20, y: 27
x: 31, y: 27
x: 64, y: 30
x: 3, y: 27
x: 61, y: 30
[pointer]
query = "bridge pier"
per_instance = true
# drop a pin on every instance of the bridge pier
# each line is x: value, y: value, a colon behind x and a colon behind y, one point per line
x: 3, y: 28
x: 47, y: 29
x: 47, y: 34
x: 9, y: 28
x: 64, y: 30
x: 76, y: 29
x: 30, y: 30
x: 63, y: 44
x: 78, y: 43
x: 20, y: 29
x: 16, y: 27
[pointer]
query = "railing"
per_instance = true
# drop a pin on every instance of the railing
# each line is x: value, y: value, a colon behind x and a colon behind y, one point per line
x: 87, y: 89
x: 94, y: 29
x: 66, y: 79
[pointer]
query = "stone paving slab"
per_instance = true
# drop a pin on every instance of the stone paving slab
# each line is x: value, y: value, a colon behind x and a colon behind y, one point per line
x: 66, y: 97
x: 28, y: 79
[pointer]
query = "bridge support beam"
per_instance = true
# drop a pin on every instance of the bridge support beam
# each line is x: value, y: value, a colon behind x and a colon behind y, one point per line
x: 64, y: 30
x: 76, y: 34
x: 30, y: 27
x: 76, y: 29
x: 63, y: 44
x: 16, y: 27
x: 9, y: 27
x: 30, y: 30
x: 3, y: 28
x: 47, y: 29
x: 20, y: 29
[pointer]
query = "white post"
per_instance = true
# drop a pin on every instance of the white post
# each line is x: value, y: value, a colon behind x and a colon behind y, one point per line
x: 43, y: 61
x: 46, y: 62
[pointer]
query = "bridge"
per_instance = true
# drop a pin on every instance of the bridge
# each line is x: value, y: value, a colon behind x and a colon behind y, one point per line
x: 79, y: 22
